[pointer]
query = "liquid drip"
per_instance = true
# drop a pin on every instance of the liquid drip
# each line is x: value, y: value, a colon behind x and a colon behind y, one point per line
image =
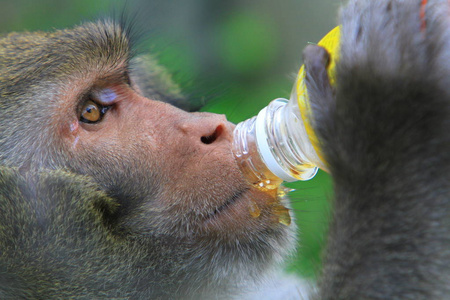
x: 282, y: 213
x: 284, y: 191
x: 254, y: 210
x: 268, y: 185
x: 279, y: 211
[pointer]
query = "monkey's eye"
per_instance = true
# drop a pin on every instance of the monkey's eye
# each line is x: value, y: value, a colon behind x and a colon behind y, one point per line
x: 92, y: 112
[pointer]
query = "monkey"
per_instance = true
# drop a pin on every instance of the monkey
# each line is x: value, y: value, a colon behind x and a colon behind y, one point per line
x: 108, y: 191
x: 384, y: 129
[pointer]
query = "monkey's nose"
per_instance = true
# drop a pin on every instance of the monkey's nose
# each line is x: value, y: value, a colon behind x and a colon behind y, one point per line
x: 208, y: 128
x: 211, y: 138
x: 216, y: 129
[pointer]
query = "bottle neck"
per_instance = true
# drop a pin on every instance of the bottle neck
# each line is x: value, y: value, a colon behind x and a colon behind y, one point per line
x: 283, y: 142
x: 245, y: 150
x: 274, y: 146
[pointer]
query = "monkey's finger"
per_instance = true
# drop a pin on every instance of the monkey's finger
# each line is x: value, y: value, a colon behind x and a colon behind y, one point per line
x: 320, y: 91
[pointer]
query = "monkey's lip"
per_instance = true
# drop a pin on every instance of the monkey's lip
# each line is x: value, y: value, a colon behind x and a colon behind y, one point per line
x: 248, y: 210
x: 228, y: 203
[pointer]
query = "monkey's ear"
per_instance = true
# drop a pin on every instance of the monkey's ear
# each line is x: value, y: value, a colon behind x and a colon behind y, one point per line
x: 155, y: 82
x: 321, y: 93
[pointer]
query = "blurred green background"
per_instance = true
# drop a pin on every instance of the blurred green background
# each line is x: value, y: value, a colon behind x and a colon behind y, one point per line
x: 231, y: 57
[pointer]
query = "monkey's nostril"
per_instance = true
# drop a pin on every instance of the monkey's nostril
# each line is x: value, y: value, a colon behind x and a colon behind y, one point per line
x: 212, y: 137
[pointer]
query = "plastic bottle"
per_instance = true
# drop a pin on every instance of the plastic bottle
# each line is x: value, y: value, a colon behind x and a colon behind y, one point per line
x: 279, y: 144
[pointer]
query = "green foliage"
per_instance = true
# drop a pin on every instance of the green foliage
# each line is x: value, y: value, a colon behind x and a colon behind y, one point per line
x: 46, y: 14
x: 246, y: 43
x: 310, y: 202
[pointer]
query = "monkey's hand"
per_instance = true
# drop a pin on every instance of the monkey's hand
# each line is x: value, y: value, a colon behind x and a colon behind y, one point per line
x: 321, y: 94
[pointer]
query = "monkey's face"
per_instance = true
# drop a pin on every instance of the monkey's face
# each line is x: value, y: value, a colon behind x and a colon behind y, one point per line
x: 172, y: 168
x: 172, y: 172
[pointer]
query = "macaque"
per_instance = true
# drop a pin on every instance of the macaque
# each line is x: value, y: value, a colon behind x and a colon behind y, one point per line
x: 108, y: 191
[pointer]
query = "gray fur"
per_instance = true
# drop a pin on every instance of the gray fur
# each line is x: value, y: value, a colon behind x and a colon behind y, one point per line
x: 385, y: 132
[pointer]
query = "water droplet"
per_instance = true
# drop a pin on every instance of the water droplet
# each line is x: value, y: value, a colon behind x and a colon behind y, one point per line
x: 285, y: 219
x: 281, y: 193
x: 283, y: 214
x: 254, y: 210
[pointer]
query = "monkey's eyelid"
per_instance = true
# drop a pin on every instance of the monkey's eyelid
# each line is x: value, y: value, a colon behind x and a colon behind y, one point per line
x: 106, y: 96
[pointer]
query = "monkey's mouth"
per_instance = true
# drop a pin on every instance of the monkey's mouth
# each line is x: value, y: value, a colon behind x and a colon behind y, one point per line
x: 247, y: 211
x: 228, y: 203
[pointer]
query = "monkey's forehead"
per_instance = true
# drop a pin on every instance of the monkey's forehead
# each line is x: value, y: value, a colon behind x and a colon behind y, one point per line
x: 31, y: 54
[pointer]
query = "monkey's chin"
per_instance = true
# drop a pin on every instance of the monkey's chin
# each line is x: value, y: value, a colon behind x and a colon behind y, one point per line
x: 249, y: 211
